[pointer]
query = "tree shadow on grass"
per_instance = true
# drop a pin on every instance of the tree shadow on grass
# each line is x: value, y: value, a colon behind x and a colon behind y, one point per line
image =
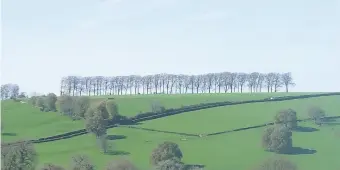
x: 191, y: 166
x: 115, y: 137
x: 305, y: 129
x: 8, y: 134
x: 300, y: 151
x: 117, y: 153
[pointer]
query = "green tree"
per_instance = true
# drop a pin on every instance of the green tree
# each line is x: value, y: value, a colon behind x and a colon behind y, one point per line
x: 96, y: 124
x: 101, y: 110
x: 20, y: 156
x: 51, y: 100
x: 170, y: 164
x: 66, y: 104
x: 277, y: 139
x: 316, y: 114
x: 40, y: 103
x: 165, y: 151
x: 287, y: 118
x: 112, y: 109
x: 157, y: 107
x: 81, y: 162
x: 82, y: 104
x: 121, y: 165
x: 33, y: 100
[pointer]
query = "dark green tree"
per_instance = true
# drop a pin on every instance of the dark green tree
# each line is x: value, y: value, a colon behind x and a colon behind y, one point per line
x: 287, y: 118
x: 51, y: 100
x: 112, y: 109
x: 82, y: 104
x: 19, y: 156
x: 165, y: 151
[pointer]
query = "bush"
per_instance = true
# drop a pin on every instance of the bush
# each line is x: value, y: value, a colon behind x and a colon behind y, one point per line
x: 121, y: 165
x: 165, y: 151
x: 157, y: 107
x: 316, y: 114
x: 81, y: 105
x: 287, y: 118
x: 277, y: 139
x: 276, y: 164
x: 81, y: 162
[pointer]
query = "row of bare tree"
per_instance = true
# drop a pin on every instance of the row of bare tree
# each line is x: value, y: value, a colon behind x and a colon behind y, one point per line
x: 169, y: 83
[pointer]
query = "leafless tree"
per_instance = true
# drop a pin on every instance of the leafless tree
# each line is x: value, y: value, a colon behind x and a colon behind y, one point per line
x: 242, y: 79
x: 287, y: 80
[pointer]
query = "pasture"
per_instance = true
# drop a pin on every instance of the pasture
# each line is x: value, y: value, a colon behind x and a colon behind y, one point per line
x: 317, y: 147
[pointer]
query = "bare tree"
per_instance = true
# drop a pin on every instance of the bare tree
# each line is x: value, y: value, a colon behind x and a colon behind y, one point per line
x: 287, y: 80
x: 277, y: 81
x: 269, y: 81
x: 242, y: 79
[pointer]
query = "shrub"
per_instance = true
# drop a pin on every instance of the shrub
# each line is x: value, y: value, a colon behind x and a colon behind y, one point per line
x: 287, y: 118
x: 81, y: 162
x: 121, y: 165
x: 316, y: 114
x: 277, y: 139
x: 276, y: 164
x: 165, y: 151
x: 157, y: 107
x: 81, y: 105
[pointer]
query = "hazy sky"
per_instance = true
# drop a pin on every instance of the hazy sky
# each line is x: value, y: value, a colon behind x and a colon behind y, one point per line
x: 43, y: 40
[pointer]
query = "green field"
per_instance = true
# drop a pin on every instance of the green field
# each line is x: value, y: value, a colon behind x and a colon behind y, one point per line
x: 235, y: 150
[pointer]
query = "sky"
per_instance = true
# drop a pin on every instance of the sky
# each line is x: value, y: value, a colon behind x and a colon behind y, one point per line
x: 43, y: 41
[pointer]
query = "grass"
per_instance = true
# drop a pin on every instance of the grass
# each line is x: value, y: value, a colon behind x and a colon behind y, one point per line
x: 237, y: 150
x: 228, y: 151
x: 237, y: 116
x: 131, y: 105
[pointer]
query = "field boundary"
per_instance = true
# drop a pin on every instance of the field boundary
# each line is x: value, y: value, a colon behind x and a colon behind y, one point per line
x: 169, y: 112
x: 220, y: 132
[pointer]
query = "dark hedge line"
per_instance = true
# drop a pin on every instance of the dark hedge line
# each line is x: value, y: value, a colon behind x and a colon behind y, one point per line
x: 172, y: 111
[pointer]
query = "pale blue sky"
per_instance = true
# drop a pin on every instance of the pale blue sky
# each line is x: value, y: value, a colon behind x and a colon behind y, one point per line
x: 43, y: 40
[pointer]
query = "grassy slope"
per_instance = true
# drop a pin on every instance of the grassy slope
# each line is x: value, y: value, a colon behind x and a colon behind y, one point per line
x: 131, y: 105
x: 237, y: 116
x: 27, y: 122
x: 229, y: 151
